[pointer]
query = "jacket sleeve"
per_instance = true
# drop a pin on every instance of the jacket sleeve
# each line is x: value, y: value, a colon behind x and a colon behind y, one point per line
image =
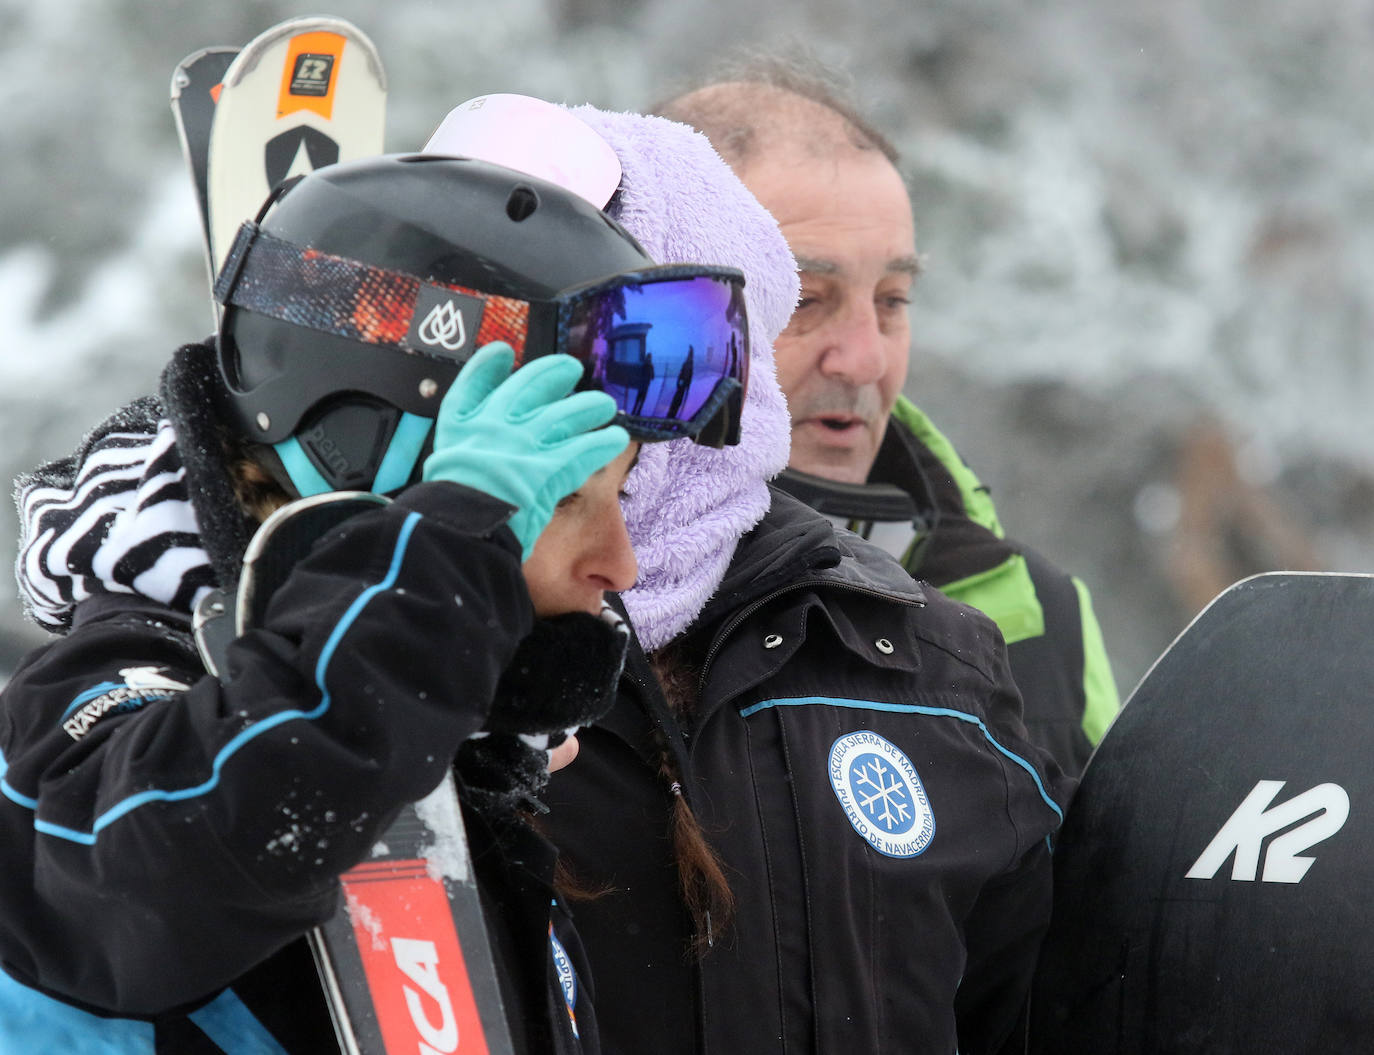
x: 1101, y: 701
x: 1002, y: 935
x: 1009, y: 918
x: 164, y: 832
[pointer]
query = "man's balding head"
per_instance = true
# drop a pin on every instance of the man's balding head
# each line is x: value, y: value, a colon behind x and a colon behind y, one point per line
x: 830, y: 180
x: 766, y: 104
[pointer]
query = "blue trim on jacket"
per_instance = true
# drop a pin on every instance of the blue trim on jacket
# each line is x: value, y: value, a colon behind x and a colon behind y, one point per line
x: 912, y: 708
x: 31, y: 1021
x: 253, y: 731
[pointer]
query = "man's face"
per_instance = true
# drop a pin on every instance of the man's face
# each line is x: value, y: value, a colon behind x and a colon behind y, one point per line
x: 843, y: 357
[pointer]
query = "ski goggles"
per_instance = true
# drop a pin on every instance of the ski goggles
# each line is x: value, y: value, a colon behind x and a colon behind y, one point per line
x: 670, y: 344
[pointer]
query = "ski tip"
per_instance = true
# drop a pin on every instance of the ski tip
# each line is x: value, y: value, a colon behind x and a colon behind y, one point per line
x: 249, y: 57
x: 181, y: 73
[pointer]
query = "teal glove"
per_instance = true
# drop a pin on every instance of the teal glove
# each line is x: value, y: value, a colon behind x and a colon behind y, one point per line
x: 521, y: 437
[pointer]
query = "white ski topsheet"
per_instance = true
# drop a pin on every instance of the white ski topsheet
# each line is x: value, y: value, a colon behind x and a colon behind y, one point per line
x: 304, y: 94
x: 195, y: 89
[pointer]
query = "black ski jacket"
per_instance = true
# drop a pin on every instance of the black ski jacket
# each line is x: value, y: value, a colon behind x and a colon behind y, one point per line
x: 858, y: 760
x: 168, y: 839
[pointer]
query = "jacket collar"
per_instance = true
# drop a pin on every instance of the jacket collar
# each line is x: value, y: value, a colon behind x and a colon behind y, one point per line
x: 793, y: 546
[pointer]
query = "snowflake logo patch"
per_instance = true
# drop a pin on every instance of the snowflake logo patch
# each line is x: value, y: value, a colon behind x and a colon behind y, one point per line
x: 881, y: 794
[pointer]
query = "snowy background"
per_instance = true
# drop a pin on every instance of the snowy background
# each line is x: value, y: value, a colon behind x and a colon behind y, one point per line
x: 1150, y: 282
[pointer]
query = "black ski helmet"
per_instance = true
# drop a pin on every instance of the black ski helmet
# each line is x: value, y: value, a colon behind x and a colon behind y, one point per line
x: 345, y: 405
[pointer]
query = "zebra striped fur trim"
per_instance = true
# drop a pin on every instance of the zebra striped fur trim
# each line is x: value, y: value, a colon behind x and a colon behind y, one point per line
x: 114, y: 517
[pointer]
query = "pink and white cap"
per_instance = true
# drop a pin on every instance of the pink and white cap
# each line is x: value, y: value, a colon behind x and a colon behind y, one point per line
x: 551, y: 143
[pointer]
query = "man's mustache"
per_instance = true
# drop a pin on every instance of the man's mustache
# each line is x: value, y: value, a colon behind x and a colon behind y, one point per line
x: 837, y: 398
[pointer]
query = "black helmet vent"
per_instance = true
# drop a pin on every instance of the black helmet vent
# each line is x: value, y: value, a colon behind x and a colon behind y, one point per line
x: 522, y: 203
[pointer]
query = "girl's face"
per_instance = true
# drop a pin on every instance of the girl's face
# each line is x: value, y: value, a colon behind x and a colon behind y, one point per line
x: 585, y: 550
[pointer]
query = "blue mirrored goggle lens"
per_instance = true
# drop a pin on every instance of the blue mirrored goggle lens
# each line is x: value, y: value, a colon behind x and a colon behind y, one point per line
x: 663, y: 349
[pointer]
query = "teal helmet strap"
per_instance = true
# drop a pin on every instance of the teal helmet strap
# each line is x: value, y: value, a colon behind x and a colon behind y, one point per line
x: 394, y: 471
x: 402, y: 453
x: 304, y: 476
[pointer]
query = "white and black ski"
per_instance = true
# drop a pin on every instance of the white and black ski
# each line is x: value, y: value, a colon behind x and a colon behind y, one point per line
x: 306, y: 93
x: 196, y: 84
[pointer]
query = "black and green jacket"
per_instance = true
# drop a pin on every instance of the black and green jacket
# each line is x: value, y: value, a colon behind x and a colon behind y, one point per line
x: 1058, y: 658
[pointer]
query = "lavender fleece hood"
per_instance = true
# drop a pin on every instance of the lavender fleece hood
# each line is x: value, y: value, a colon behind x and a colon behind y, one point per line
x: 687, y: 506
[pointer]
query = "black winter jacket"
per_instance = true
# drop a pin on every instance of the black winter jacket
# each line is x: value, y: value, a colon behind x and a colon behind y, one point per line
x: 858, y: 760
x: 168, y: 839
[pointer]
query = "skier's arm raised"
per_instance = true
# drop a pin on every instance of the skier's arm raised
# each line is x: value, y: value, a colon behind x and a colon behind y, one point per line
x: 180, y: 829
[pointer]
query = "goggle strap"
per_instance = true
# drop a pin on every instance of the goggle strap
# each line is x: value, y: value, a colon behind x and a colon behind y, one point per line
x: 345, y: 298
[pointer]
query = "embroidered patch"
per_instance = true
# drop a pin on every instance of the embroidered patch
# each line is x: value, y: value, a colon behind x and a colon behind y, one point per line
x: 141, y: 685
x: 567, y: 978
x: 881, y: 794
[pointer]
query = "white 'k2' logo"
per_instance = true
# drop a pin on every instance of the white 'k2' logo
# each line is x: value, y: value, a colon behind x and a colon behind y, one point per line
x: 1244, y: 833
x: 444, y: 326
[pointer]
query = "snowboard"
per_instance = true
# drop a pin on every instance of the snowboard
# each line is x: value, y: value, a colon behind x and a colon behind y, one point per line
x: 306, y: 93
x: 1212, y: 875
x: 405, y: 963
x: 196, y: 84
